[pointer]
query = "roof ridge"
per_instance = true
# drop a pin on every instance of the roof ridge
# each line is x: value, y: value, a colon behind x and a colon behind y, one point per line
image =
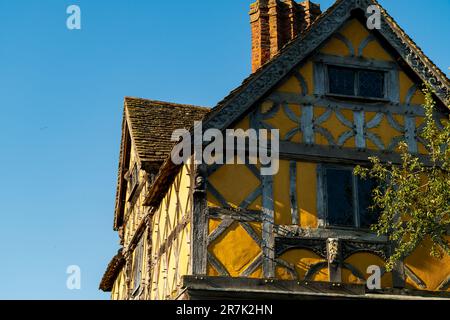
x: 166, y: 103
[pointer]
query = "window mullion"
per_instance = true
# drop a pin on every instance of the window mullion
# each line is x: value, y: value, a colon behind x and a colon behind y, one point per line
x: 386, y: 88
x: 325, y: 196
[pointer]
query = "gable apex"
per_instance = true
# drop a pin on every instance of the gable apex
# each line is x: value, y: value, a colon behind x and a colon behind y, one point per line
x: 268, y: 76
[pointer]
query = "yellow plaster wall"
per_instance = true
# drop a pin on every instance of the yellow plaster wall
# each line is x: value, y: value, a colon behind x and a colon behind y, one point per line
x: 119, y: 289
x: 293, y: 85
x: 334, y: 126
x: 302, y: 260
x: 229, y: 178
x: 374, y: 50
x: 284, y: 124
x: 333, y: 46
x: 235, y: 249
x: 384, y: 130
x: 174, y: 210
x: 282, y: 203
x: 355, y: 32
x: 362, y: 261
x: 405, y: 84
x: 133, y: 215
x: 431, y: 270
x: 307, y: 193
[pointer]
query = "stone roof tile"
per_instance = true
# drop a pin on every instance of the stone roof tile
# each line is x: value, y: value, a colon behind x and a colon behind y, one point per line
x: 152, y: 123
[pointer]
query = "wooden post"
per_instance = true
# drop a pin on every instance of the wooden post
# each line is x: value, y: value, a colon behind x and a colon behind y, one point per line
x: 334, y: 260
x: 199, y: 226
x: 268, y: 237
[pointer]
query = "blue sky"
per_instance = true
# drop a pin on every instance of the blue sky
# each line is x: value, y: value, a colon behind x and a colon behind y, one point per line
x: 61, y: 95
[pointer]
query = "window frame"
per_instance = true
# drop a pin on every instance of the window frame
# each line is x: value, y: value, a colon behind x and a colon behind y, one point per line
x: 356, y: 87
x: 322, y: 198
x: 321, y: 62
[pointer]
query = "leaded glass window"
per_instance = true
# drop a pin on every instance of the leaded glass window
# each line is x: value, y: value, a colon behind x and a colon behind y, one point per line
x: 356, y: 82
x: 342, y: 80
x: 371, y: 84
x: 340, y: 198
x: 348, y: 199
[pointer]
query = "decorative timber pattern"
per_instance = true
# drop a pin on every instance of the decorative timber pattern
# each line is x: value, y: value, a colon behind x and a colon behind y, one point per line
x: 171, y: 238
x: 333, y: 248
x: 360, y: 129
x: 240, y: 217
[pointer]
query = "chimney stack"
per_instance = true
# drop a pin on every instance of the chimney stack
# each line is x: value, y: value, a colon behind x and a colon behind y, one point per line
x: 276, y: 22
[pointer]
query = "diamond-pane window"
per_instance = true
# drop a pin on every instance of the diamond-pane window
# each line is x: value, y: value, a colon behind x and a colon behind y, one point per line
x: 342, y: 81
x: 368, y: 216
x: 371, y: 84
x: 340, y: 198
x: 349, y: 199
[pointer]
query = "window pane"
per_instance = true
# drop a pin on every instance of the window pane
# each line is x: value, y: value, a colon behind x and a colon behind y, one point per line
x: 367, y: 217
x: 342, y: 80
x: 340, y: 198
x: 371, y: 84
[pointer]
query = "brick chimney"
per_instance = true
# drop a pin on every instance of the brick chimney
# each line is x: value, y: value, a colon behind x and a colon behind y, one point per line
x: 276, y: 22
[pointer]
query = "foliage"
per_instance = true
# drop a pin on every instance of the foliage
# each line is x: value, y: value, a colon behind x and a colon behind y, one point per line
x: 413, y: 196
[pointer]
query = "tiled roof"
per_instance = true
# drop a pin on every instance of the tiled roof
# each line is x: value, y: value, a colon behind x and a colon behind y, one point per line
x: 112, y: 271
x: 151, y: 125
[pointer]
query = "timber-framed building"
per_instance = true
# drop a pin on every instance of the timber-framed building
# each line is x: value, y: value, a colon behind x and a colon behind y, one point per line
x: 339, y: 92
